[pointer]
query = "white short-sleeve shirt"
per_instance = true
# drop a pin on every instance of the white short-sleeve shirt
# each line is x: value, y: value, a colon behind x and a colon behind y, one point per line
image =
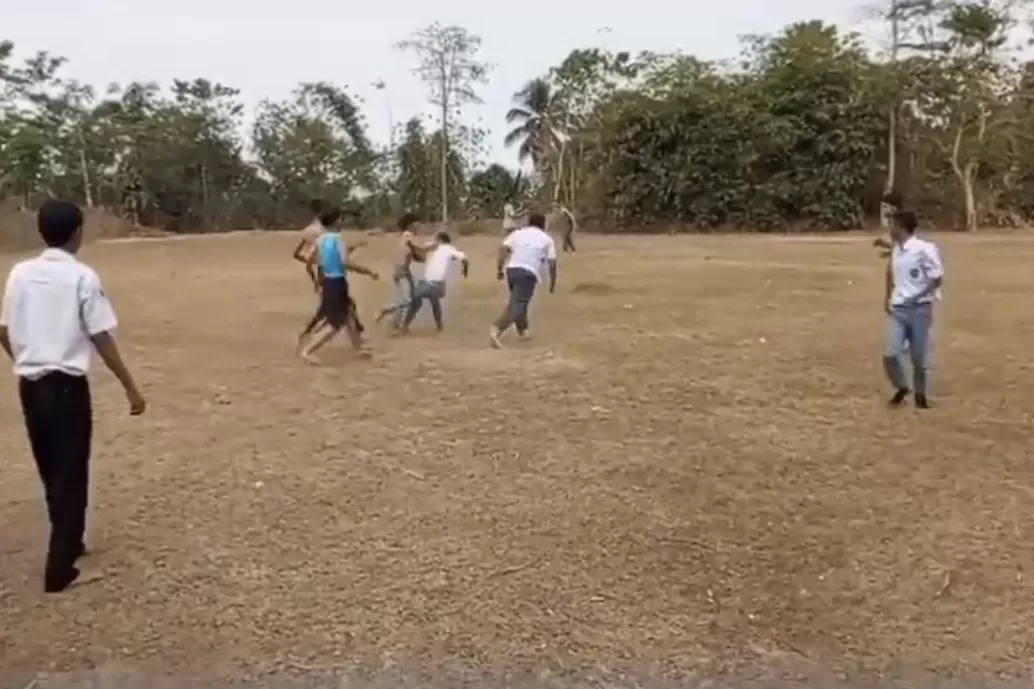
x: 439, y: 262
x: 52, y: 306
x: 530, y: 249
x: 914, y: 265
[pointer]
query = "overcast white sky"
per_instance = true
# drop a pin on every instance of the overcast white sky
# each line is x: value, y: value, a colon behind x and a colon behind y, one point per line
x: 266, y: 47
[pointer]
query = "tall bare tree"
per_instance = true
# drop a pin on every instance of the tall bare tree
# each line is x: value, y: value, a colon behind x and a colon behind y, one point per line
x: 450, y: 65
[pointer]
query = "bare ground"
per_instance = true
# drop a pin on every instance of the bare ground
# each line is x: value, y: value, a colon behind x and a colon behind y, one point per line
x: 687, y: 480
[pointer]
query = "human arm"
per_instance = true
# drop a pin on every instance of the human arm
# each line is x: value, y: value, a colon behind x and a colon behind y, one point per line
x: 464, y: 262
x: 551, y: 259
x: 419, y: 251
x: 362, y: 270
x: 99, y: 320
x: 500, y: 261
x: 6, y: 307
x: 305, y: 253
x: 888, y: 286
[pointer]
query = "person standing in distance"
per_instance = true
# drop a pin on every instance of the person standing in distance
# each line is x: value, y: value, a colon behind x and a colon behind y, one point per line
x: 914, y: 278
x: 53, y: 309
x: 522, y: 256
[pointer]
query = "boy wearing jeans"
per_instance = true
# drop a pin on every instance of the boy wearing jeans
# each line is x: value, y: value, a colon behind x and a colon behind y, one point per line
x: 914, y: 278
x: 54, y: 308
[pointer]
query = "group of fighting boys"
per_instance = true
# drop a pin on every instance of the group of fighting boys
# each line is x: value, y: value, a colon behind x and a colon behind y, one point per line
x: 328, y: 260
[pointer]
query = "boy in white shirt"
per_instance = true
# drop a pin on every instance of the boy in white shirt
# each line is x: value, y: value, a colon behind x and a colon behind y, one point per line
x: 914, y: 278
x: 54, y: 309
x: 521, y: 258
x: 433, y: 285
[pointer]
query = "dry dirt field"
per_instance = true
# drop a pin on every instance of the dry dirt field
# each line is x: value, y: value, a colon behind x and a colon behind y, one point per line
x: 691, y: 479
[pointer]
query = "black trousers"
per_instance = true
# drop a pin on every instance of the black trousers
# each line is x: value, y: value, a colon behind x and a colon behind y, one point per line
x: 59, y: 418
x: 522, y: 288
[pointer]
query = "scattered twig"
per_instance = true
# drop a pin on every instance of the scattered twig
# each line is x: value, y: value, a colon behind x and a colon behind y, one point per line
x: 513, y: 570
x: 946, y: 585
x: 413, y: 474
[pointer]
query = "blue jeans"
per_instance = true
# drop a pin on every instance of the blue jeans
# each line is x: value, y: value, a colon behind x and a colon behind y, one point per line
x: 908, y: 325
x: 433, y: 292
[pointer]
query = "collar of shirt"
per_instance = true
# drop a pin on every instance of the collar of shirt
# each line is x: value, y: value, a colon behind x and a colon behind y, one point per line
x: 52, y: 254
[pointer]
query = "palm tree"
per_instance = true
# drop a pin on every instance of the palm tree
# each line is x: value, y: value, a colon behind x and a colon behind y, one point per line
x: 531, y: 118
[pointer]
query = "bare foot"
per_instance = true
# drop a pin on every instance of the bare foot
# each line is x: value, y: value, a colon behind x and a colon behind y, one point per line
x: 526, y: 335
x: 311, y: 360
x: 493, y: 339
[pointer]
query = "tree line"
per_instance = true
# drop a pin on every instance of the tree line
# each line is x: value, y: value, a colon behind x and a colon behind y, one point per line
x: 806, y: 130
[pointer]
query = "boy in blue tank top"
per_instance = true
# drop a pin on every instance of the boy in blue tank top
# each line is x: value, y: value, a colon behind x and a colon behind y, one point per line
x: 336, y: 309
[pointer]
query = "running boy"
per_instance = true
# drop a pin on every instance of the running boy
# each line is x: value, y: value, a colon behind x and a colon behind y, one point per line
x: 336, y: 309
x: 522, y: 256
x: 436, y: 278
x: 403, y: 275
x: 53, y: 309
x: 310, y: 234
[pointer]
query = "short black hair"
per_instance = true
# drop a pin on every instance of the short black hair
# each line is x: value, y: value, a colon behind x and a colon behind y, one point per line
x: 408, y: 220
x: 329, y: 216
x: 316, y: 206
x: 58, y: 221
x: 443, y: 237
x: 908, y: 220
x: 537, y: 220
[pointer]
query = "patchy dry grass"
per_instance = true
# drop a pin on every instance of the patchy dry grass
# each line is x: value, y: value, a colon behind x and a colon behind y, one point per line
x: 691, y: 477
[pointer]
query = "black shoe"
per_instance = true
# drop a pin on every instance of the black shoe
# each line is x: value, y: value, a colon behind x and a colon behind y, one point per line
x: 899, y: 397
x: 922, y: 402
x: 58, y: 583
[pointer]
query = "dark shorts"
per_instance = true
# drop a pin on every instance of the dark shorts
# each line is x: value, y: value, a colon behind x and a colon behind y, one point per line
x: 335, y: 302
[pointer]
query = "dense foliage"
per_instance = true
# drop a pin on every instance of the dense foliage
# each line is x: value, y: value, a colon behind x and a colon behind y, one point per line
x: 805, y: 131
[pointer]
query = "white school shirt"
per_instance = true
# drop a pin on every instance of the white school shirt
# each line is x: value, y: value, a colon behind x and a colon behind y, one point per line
x: 439, y: 262
x: 52, y: 305
x: 530, y: 249
x: 914, y: 265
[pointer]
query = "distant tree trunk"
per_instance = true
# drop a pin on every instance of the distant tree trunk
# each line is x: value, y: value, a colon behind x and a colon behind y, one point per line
x: 892, y: 121
x: 444, y: 168
x: 84, y: 170
x: 966, y: 173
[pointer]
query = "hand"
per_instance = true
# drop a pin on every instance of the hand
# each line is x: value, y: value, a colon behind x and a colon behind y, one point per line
x: 499, y: 276
x: 886, y: 307
x: 137, y: 403
x: 552, y: 288
x: 375, y: 275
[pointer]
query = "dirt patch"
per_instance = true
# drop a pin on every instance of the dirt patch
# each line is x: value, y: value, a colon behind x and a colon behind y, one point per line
x: 598, y: 289
x: 18, y: 228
